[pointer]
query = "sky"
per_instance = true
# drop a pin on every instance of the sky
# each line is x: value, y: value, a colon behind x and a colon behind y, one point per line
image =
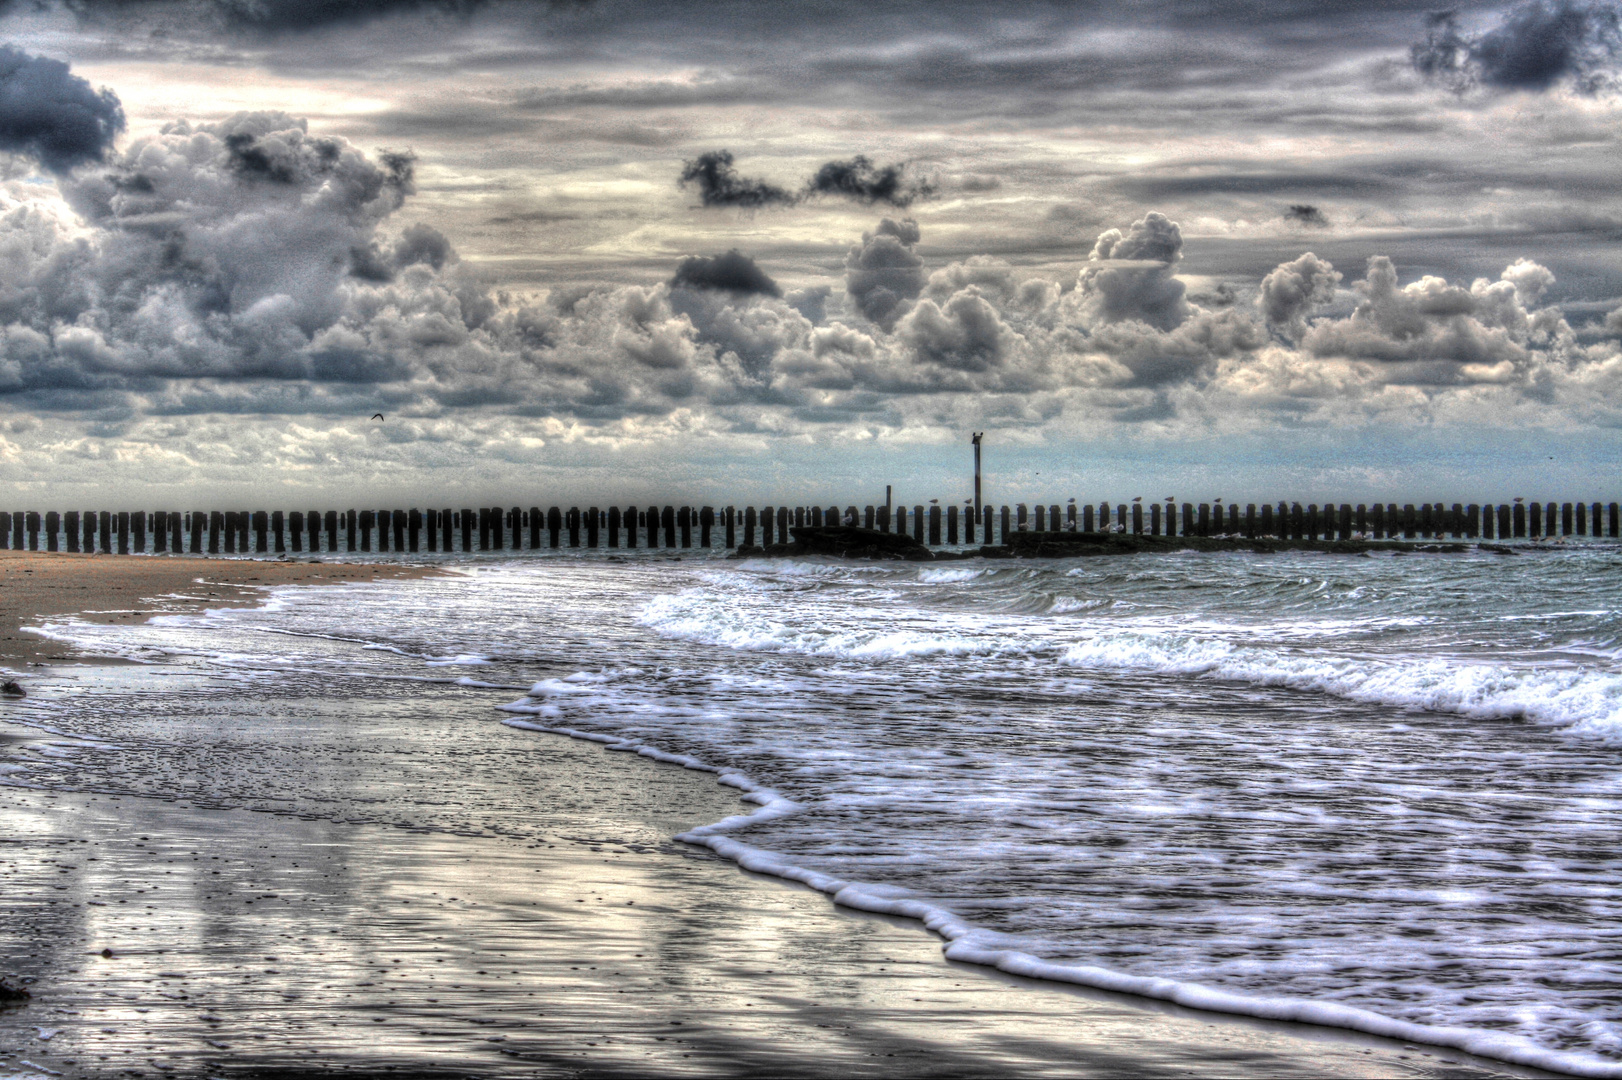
x: 741, y: 253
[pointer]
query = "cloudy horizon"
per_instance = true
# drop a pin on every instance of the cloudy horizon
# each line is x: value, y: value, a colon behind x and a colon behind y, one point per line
x: 621, y: 251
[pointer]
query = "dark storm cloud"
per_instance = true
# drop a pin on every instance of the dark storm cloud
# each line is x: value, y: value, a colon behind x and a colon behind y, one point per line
x: 53, y: 116
x: 1306, y: 214
x: 1534, y: 47
x: 273, y: 15
x: 863, y: 181
x: 732, y: 272
x: 719, y: 184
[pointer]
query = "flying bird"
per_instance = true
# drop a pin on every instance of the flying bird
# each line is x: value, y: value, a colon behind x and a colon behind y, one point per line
x: 377, y: 416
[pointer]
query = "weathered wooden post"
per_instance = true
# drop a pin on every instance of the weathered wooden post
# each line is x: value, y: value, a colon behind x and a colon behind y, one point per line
x: 1204, y: 527
x: 900, y: 522
x: 5, y: 529
x: 706, y: 524
x: 260, y: 522
x: 1188, y: 519
x: 216, y: 531
x: 1472, y: 521
x: 365, y: 520
x: 613, y: 526
x: 1040, y: 519
x: 783, y: 520
x: 400, y: 519
x: 123, y: 532
x: 1519, y: 519
x: 684, y: 525
x: 1614, y: 514
x: 1535, y: 520
x: 571, y: 522
x: 1154, y: 519
x: 730, y: 517
x: 667, y: 518
x: 918, y: 523
x: 951, y: 525
x: 1596, y: 521
x: 295, y: 530
x: 176, y: 532
x: 199, y: 519
x: 1345, y: 521
x: 554, y: 526
x: 330, y: 520
x: 70, y: 530
x: 383, y: 519
x: 749, y: 520
x: 1506, y: 521
x: 1006, y: 522
x: 1022, y: 517
x: 53, y: 524
x: 1582, y: 519
x: 32, y: 517
x: 1087, y: 524
x: 935, y: 526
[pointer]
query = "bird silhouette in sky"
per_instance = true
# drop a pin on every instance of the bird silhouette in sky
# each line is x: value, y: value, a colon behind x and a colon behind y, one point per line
x: 377, y: 416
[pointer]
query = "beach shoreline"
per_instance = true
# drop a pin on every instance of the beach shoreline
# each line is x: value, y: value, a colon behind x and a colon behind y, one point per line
x: 694, y: 940
x: 36, y: 585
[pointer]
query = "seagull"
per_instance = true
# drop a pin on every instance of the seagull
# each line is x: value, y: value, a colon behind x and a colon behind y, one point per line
x: 377, y: 416
x: 1138, y: 499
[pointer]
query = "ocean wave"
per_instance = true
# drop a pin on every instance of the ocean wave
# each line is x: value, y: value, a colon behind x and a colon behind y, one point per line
x: 1581, y: 700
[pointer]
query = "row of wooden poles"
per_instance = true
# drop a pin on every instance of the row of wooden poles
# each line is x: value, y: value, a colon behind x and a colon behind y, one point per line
x: 502, y: 528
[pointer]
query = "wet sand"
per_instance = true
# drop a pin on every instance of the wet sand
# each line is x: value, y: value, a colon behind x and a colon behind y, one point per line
x: 132, y: 588
x: 247, y: 944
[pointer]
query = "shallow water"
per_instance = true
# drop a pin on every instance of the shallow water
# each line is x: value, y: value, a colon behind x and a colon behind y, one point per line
x: 1355, y: 790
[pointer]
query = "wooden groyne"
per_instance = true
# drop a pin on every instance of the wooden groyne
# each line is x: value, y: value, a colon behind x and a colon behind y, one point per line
x: 227, y: 532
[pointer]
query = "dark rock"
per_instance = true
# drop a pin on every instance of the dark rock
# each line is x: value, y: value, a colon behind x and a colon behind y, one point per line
x: 11, y: 994
x: 844, y: 542
x: 12, y: 688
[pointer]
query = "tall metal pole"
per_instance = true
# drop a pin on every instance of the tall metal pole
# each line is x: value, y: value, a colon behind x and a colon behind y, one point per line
x: 977, y: 437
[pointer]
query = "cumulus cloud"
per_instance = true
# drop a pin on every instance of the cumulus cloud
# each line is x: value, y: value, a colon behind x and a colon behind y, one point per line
x: 1291, y: 291
x: 1435, y: 331
x: 52, y: 115
x: 865, y: 182
x: 1133, y: 275
x: 719, y: 184
x: 1535, y: 46
x: 732, y: 272
x: 884, y: 274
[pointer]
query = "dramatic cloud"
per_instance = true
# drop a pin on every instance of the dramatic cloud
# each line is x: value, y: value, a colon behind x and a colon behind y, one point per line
x: 719, y: 184
x: 53, y: 116
x: 863, y: 181
x: 1134, y: 275
x: 1537, y: 45
x: 1293, y: 290
x: 884, y: 274
x: 732, y: 272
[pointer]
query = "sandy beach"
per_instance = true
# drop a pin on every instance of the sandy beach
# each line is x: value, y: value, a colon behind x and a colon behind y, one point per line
x: 132, y: 588
x: 174, y: 936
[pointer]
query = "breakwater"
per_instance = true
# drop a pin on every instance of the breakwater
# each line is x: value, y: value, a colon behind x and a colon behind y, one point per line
x: 215, y: 532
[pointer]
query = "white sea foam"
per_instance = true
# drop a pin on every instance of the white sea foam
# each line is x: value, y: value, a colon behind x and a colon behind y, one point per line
x: 1584, y: 701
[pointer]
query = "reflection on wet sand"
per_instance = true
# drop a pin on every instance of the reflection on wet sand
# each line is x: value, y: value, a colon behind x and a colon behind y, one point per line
x: 167, y: 938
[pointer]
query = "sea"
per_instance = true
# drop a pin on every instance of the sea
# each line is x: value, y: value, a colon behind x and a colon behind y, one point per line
x: 1377, y: 792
